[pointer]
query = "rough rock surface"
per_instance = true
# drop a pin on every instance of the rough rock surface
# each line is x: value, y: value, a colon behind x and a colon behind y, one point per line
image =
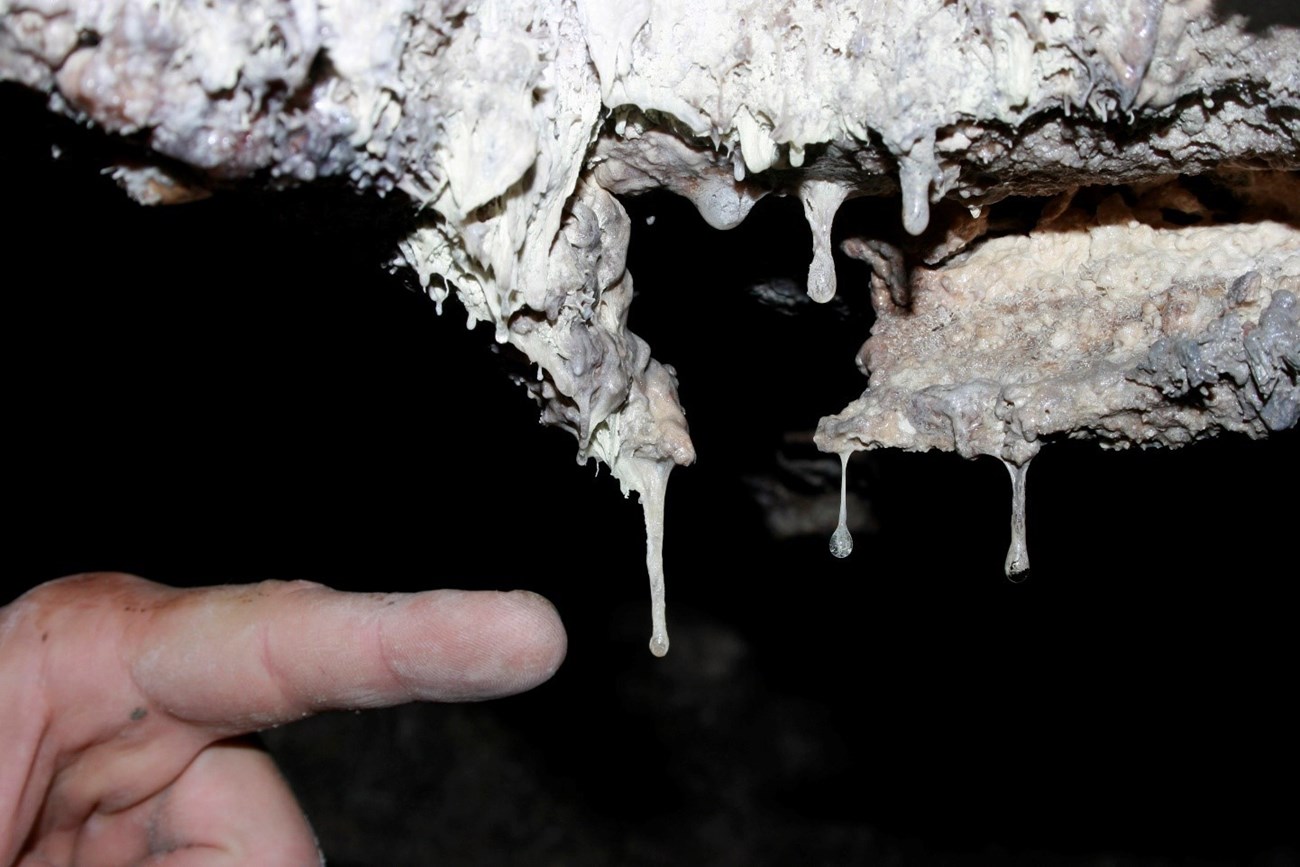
x: 1150, y: 324
x: 512, y: 128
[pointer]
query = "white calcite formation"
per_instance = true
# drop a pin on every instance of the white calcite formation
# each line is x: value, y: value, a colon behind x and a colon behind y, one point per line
x: 1149, y: 314
x: 1138, y: 319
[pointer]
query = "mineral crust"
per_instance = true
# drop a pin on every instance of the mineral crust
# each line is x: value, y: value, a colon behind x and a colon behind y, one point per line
x: 1139, y: 314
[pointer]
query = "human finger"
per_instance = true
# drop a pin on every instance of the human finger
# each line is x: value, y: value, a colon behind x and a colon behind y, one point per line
x: 241, y: 658
x: 228, y: 806
x: 232, y: 807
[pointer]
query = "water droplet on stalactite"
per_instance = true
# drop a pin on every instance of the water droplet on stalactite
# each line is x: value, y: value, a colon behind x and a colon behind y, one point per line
x: 652, y: 504
x: 1017, y: 565
x: 821, y: 199
x: 914, y: 182
x: 842, y: 539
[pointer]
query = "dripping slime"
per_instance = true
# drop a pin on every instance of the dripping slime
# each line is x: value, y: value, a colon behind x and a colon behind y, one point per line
x: 1017, y: 565
x: 842, y: 539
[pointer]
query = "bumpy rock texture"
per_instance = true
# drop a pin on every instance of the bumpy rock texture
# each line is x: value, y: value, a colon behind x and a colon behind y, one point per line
x: 1154, y: 311
x: 1144, y: 323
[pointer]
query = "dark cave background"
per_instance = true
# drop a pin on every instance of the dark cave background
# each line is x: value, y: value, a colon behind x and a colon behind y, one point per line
x: 235, y: 390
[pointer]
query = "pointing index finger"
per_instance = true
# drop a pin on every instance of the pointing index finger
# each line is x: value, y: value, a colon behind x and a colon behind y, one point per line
x: 241, y: 658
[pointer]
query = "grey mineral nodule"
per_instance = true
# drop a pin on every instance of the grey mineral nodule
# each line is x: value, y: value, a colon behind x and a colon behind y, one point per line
x: 1097, y: 223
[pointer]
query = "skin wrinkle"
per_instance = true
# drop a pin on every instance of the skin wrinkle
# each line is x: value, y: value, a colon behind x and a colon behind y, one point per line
x: 141, y: 661
x: 427, y: 647
x: 335, y: 609
x: 153, y: 674
x: 275, y: 674
x: 385, y: 651
x: 319, y: 599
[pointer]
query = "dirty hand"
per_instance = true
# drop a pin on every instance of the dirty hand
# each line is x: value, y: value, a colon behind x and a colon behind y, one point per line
x: 122, y: 700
